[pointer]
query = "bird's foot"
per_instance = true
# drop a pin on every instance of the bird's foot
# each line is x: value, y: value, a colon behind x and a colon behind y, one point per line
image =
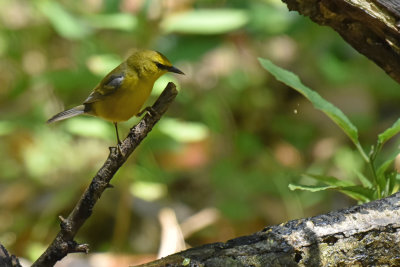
x: 119, y: 149
x: 150, y: 110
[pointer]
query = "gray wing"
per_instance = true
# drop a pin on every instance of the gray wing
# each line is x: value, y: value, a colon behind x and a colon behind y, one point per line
x: 108, y: 85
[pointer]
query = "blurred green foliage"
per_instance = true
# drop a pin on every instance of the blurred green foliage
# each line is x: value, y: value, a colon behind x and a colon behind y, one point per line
x: 381, y: 182
x: 234, y: 139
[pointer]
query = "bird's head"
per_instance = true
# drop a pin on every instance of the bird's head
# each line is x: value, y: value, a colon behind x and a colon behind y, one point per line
x: 151, y: 64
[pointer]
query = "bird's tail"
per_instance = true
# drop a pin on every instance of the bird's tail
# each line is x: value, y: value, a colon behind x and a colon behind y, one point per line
x: 68, y: 114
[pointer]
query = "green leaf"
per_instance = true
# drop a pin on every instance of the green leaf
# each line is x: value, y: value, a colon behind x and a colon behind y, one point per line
x: 183, y: 131
x: 89, y: 127
x: 391, y: 178
x: 206, y: 21
x: 389, y: 133
x: 381, y: 172
x: 6, y: 127
x: 387, y: 182
x: 358, y: 192
x: 102, y: 64
x: 64, y: 23
x: 292, y: 80
x: 385, y: 165
x: 162, y: 82
x: 329, y: 180
x: 364, y: 180
x: 118, y: 21
x: 311, y: 188
x: 149, y: 191
x: 271, y: 18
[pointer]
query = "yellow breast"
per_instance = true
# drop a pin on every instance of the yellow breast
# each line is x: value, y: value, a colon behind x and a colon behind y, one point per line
x: 124, y: 103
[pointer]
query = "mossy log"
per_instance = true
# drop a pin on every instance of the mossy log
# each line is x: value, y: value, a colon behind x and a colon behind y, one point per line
x: 364, y: 235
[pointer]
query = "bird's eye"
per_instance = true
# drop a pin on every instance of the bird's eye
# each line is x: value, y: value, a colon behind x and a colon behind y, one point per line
x: 161, y: 66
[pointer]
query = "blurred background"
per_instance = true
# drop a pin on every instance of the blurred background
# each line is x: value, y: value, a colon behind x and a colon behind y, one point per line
x: 218, y: 165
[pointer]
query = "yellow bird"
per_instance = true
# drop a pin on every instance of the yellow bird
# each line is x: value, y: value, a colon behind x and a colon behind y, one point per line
x: 122, y: 93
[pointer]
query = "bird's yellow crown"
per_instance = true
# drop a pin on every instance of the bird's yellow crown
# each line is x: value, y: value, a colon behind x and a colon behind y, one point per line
x: 149, y: 64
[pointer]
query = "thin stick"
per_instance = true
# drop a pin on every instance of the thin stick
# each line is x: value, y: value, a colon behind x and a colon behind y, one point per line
x: 64, y: 241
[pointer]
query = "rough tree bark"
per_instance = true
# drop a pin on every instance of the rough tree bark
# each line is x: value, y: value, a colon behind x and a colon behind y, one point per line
x: 7, y: 260
x: 370, y: 26
x: 365, y: 235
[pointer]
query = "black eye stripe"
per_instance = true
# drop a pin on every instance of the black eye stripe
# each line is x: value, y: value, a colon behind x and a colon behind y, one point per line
x: 161, y: 66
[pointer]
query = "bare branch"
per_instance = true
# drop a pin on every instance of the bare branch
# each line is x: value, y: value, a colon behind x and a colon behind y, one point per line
x: 7, y: 260
x: 370, y: 26
x: 64, y: 242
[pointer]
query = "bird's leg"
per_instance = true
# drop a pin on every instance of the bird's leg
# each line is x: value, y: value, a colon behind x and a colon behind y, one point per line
x: 118, y: 140
x: 149, y: 110
x: 116, y: 130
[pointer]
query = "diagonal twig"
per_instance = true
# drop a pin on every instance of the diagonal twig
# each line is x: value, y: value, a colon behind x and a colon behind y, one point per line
x: 7, y: 260
x: 64, y: 241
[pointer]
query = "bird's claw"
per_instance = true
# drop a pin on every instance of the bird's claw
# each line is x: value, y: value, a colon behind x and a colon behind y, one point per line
x: 119, y: 149
x: 150, y: 110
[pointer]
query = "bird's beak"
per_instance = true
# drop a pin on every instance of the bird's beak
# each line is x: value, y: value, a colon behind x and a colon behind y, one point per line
x: 176, y: 70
